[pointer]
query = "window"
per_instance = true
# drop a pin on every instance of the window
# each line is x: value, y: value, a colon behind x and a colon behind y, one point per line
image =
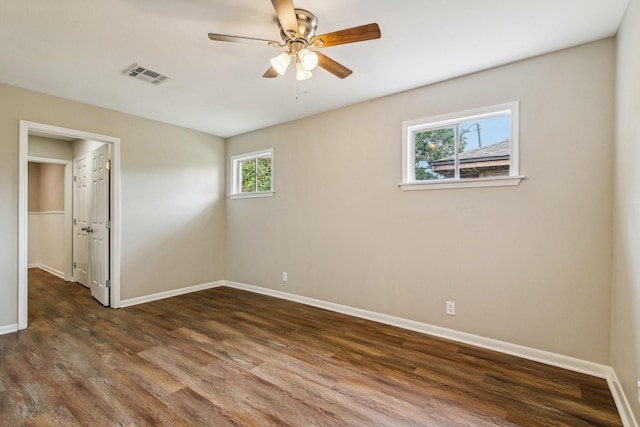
x: 477, y: 148
x: 252, y: 174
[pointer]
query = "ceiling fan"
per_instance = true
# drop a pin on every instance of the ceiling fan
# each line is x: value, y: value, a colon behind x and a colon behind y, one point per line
x: 298, y: 29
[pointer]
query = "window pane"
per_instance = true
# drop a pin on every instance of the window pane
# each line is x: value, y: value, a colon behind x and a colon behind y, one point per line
x: 485, y: 147
x: 252, y: 174
x: 248, y: 171
x: 434, y: 154
x: 264, y: 174
x: 454, y: 150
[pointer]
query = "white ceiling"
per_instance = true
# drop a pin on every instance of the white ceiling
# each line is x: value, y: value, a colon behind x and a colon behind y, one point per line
x: 78, y: 49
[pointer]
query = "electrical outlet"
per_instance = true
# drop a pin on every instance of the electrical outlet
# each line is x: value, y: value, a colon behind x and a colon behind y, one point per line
x: 284, y: 276
x: 451, y: 308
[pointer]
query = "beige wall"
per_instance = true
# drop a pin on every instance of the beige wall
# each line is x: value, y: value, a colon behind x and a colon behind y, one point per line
x: 529, y: 265
x: 625, y: 307
x: 83, y: 146
x: 173, y: 224
x: 51, y: 187
x: 50, y: 148
x: 34, y: 187
x: 53, y: 149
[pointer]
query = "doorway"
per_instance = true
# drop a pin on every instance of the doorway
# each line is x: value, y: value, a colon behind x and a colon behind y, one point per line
x: 49, y: 213
x: 113, y: 231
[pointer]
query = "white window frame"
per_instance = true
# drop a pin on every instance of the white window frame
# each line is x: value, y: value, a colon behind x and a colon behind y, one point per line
x: 235, y: 180
x: 411, y: 127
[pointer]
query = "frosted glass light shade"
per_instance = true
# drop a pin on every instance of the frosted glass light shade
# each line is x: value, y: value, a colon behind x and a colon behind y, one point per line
x: 281, y: 62
x: 308, y: 59
x: 301, y: 73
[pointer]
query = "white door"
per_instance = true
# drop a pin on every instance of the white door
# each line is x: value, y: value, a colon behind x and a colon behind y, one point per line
x: 81, y: 199
x: 99, y: 225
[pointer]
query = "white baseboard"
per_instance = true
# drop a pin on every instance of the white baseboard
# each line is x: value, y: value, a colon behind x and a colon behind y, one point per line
x: 8, y: 329
x: 553, y: 359
x: 168, y: 294
x: 622, y: 403
x: 546, y: 357
x: 48, y: 269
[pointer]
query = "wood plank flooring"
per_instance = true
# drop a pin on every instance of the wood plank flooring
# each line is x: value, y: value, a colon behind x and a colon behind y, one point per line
x: 225, y: 357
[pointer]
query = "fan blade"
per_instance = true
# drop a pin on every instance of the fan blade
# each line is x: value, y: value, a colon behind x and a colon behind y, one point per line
x: 237, y: 39
x: 286, y: 15
x: 270, y: 73
x: 332, y: 66
x: 350, y: 35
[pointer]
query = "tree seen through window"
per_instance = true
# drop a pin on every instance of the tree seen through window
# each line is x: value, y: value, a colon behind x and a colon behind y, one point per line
x: 256, y: 175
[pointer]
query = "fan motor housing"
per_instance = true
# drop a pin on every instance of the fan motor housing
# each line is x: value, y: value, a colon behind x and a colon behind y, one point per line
x: 307, y: 24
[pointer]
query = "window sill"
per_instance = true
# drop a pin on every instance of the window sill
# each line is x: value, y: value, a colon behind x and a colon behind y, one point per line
x: 504, y: 181
x: 251, y: 195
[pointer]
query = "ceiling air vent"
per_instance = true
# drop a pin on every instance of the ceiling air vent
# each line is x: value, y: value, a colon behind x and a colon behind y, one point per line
x: 146, y: 74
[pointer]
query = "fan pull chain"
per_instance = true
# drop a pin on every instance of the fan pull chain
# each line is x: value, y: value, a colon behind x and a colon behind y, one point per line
x: 298, y: 96
x: 306, y: 91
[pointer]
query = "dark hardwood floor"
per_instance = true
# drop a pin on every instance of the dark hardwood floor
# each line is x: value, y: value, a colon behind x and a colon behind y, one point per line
x: 225, y: 357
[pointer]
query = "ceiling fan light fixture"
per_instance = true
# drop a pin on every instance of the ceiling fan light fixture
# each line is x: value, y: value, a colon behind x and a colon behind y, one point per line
x: 298, y: 33
x: 308, y: 59
x: 301, y: 73
x: 281, y: 62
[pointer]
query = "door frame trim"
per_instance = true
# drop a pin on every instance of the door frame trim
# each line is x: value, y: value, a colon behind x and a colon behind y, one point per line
x: 23, y: 198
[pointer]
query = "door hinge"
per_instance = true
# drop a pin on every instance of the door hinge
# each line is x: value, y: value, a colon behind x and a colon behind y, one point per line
x: 75, y: 178
x: 108, y: 224
x: 75, y: 265
x: 107, y: 283
x: 108, y: 165
x: 75, y: 221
